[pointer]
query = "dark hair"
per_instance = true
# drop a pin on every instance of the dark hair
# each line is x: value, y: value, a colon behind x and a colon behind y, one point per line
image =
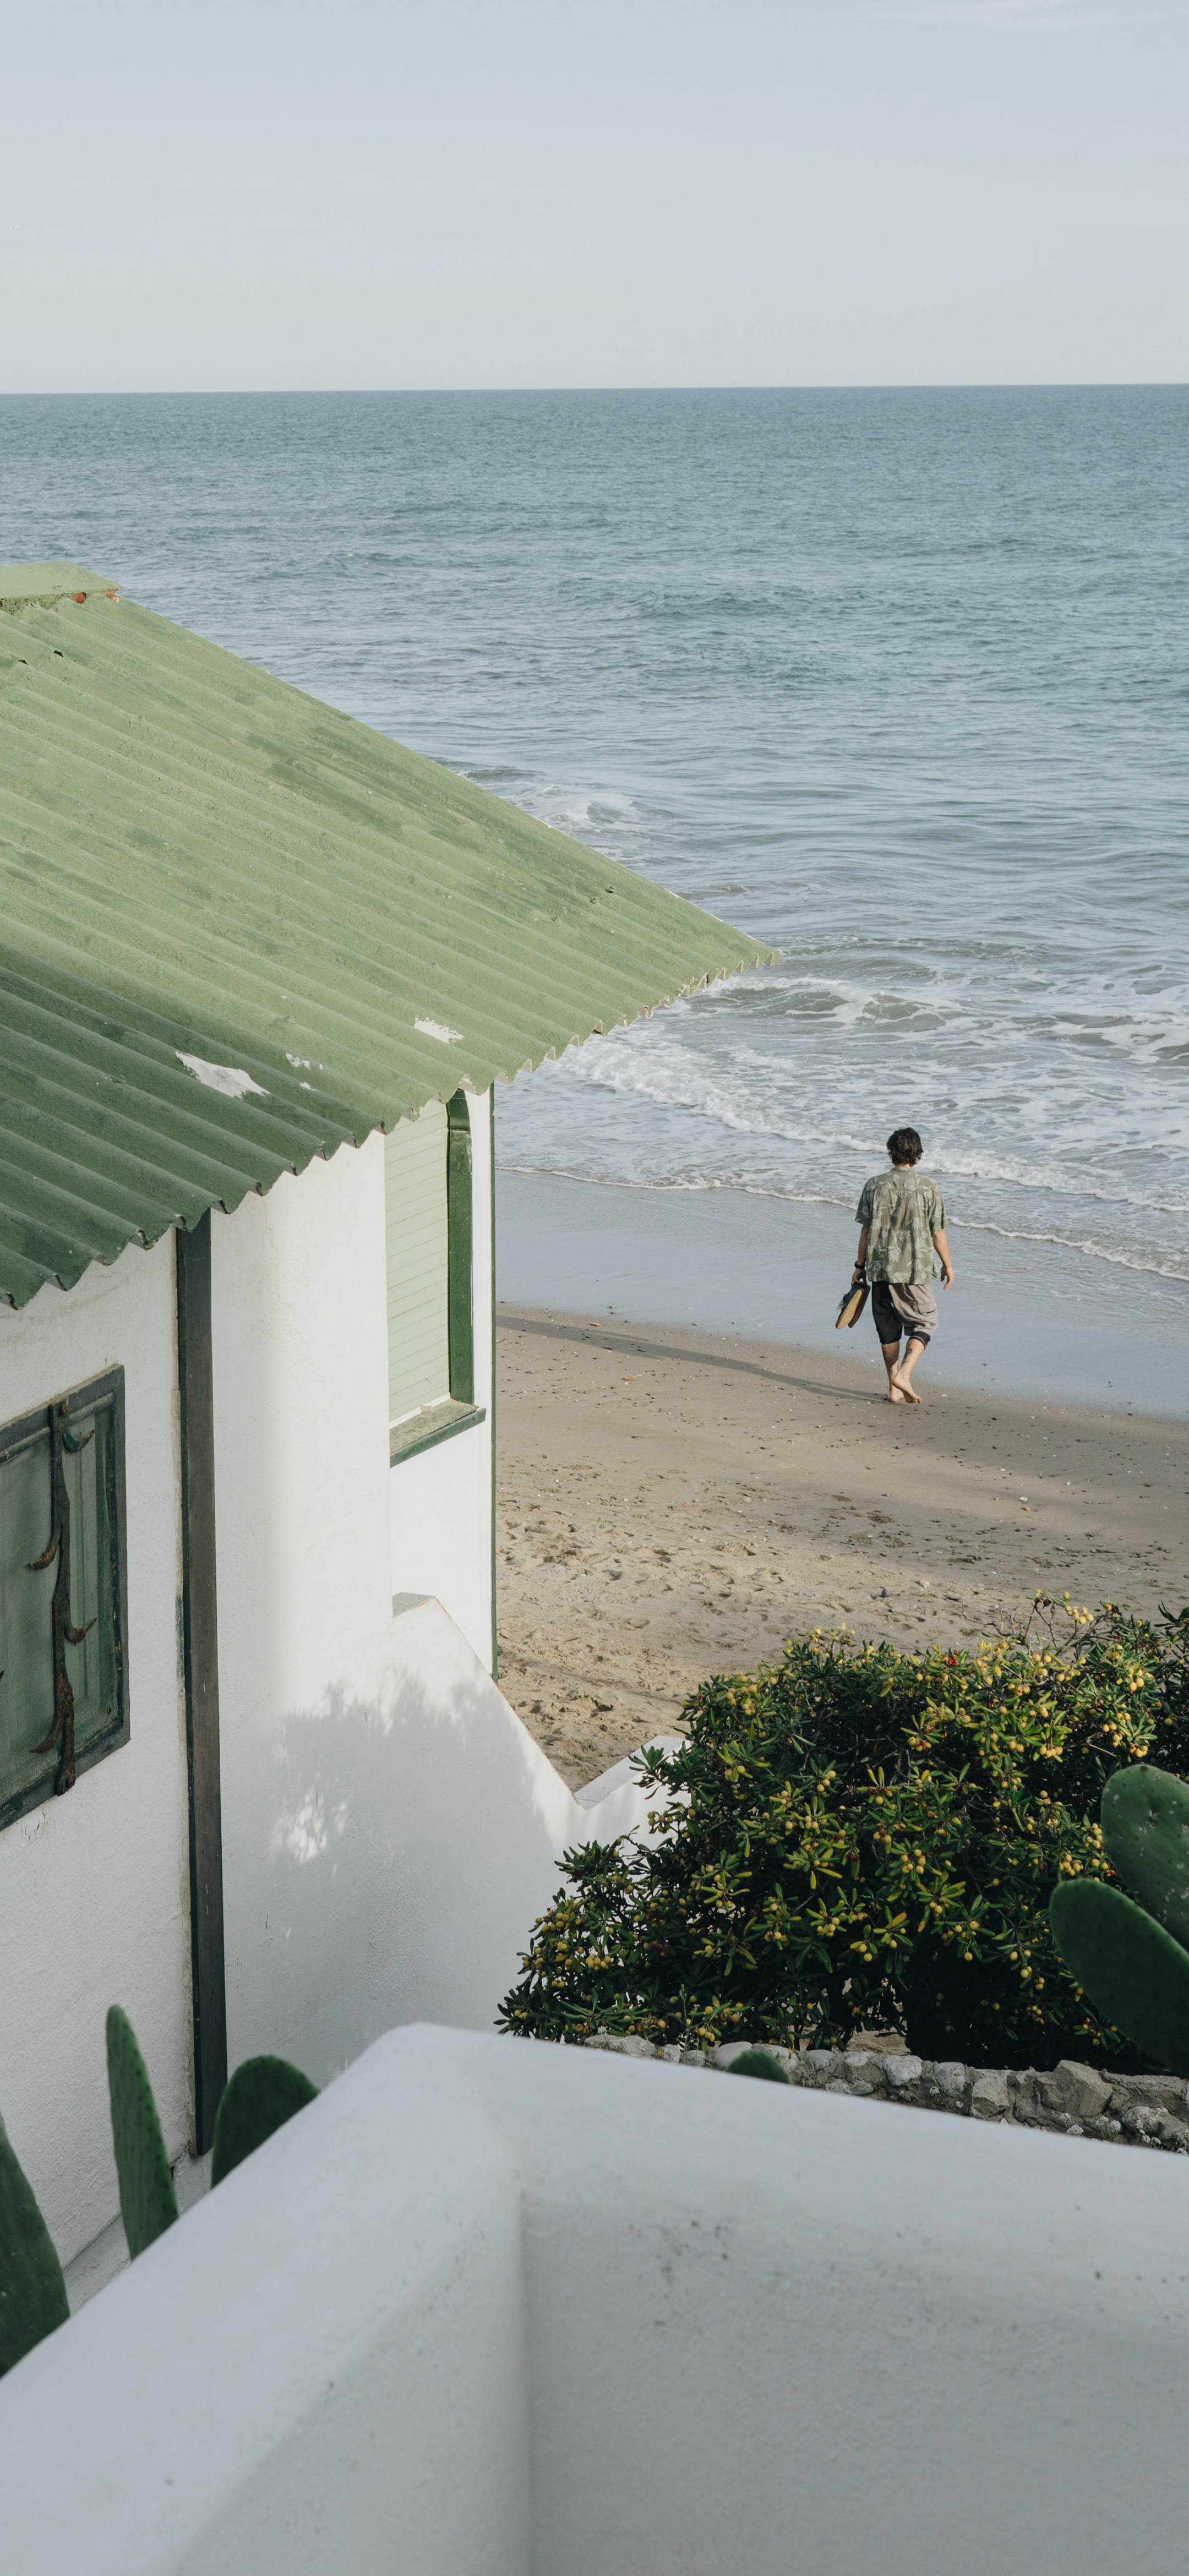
x: 904, y: 1145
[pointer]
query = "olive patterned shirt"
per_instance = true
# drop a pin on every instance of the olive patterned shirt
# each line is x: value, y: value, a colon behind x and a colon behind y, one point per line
x: 904, y: 1211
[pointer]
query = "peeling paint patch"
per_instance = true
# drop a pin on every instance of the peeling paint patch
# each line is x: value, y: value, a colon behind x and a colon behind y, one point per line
x: 437, y: 1029
x: 228, y: 1078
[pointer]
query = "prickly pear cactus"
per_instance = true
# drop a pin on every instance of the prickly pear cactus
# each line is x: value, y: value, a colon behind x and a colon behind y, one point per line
x: 148, y: 2203
x: 32, y: 2290
x: 1130, y: 1967
x: 756, y: 2061
x: 1145, y: 1827
x: 263, y: 2093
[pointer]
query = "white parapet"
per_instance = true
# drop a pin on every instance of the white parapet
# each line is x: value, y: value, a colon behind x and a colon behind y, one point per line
x: 490, y: 2308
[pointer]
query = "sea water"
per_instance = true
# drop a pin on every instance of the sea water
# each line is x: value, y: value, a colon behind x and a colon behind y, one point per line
x: 896, y: 680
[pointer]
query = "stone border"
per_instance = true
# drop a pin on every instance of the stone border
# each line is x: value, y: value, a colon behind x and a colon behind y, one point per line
x: 1135, y: 2110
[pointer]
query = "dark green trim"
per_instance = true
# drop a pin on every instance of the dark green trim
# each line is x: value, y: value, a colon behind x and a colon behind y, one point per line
x: 459, y: 1232
x: 495, y: 1642
x: 434, y: 1422
x: 200, y: 1664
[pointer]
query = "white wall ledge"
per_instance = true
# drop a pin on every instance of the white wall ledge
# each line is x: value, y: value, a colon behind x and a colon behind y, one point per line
x: 491, y: 2308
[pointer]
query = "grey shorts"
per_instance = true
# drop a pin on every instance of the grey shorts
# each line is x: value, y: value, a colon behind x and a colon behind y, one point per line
x: 896, y: 1308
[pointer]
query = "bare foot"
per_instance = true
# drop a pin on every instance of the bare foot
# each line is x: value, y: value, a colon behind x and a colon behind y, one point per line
x: 895, y: 1393
x: 904, y: 1389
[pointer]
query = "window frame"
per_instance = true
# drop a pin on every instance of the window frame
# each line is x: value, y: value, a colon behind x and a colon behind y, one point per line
x: 81, y: 1399
x: 458, y: 1411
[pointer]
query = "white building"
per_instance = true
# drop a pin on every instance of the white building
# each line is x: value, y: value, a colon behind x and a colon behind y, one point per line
x: 260, y: 968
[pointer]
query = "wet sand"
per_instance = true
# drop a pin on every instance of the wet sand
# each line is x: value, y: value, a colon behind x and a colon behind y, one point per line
x: 674, y: 1503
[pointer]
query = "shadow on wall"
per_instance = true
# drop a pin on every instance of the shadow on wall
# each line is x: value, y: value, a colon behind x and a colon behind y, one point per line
x: 385, y: 1857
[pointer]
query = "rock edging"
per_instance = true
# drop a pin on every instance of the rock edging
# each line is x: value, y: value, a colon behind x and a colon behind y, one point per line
x: 1131, y: 2110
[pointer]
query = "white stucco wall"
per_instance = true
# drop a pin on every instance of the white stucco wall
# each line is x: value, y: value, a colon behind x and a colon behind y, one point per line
x: 94, y: 1887
x: 299, y: 1335
x: 494, y: 2309
x: 441, y: 1499
x: 390, y: 1829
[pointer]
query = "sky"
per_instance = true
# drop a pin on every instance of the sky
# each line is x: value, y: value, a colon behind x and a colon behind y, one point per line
x: 481, y: 193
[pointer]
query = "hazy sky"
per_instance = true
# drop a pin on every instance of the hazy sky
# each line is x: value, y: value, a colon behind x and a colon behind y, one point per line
x: 285, y: 193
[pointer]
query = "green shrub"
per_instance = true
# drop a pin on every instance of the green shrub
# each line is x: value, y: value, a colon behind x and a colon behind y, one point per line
x: 867, y: 1838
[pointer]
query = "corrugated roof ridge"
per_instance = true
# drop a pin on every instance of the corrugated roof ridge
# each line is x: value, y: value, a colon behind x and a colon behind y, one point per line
x: 372, y: 838
x: 417, y: 926
x: 321, y: 1108
x: 22, y: 1277
x: 122, y: 1192
x: 412, y: 1063
x: 149, y: 1038
x: 185, y: 1175
x: 243, y: 685
x: 38, y: 583
x: 436, y: 901
x: 343, y: 1012
x: 446, y: 785
x: 372, y: 869
x: 108, y: 1232
x: 38, y: 1086
x: 413, y: 1070
x: 547, y: 841
x: 277, y: 830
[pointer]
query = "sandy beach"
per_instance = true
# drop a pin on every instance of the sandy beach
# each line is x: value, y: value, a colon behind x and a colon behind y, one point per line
x: 674, y: 1503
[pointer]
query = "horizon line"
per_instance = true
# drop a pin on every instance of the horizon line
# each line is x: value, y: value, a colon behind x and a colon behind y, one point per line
x: 924, y: 384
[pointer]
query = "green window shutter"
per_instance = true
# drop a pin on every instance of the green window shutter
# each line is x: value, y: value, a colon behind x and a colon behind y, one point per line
x: 459, y: 1212
x: 416, y: 1217
x: 26, y: 1654
x: 62, y: 1691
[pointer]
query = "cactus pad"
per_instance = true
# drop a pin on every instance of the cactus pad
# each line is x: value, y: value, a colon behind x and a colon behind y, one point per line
x: 32, y: 2290
x: 148, y: 2204
x: 1145, y: 1826
x: 1129, y: 1966
x: 263, y: 2093
x: 756, y: 2061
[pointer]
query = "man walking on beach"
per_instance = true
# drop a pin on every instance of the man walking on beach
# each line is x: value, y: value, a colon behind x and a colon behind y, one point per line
x: 903, y: 1222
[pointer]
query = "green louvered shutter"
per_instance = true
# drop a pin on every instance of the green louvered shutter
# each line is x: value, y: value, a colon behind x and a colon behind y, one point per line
x: 418, y: 1262
x: 36, y: 1516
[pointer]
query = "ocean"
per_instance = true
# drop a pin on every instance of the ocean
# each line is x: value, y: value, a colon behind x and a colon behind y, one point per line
x: 899, y: 680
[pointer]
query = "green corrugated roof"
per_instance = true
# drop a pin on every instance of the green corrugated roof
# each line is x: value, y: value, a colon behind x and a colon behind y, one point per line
x: 199, y: 863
